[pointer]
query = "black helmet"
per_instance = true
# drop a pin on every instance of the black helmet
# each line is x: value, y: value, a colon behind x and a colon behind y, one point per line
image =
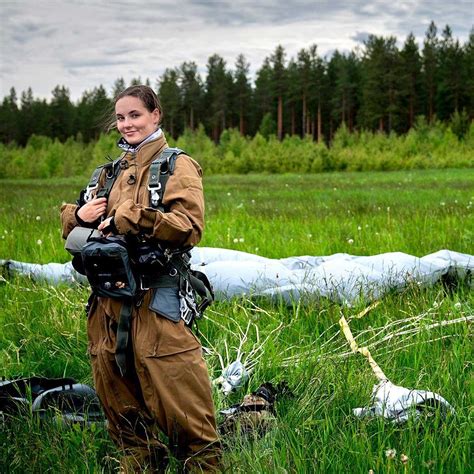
x: 77, y: 403
x: 48, y: 398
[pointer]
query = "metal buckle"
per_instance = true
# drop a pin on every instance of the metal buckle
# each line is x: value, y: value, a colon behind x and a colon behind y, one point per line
x: 89, y: 189
x: 187, y: 305
x: 154, y: 196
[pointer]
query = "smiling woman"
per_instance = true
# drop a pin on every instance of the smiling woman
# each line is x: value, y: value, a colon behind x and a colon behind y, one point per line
x: 144, y: 355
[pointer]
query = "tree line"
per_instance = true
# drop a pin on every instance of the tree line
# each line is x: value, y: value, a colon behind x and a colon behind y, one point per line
x: 379, y: 87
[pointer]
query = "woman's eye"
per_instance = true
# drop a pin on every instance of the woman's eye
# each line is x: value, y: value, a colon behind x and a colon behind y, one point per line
x: 135, y: 115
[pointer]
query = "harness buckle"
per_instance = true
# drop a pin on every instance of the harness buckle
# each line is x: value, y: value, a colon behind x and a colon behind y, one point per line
x: 187, y: 304
x: 88, y: 193
x: 154, y: 196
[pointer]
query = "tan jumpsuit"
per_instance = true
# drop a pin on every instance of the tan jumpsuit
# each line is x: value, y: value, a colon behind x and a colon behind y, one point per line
x: 169, y: 387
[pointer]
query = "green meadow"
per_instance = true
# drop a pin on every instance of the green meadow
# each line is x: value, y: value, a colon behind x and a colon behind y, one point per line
x: 314, y: 430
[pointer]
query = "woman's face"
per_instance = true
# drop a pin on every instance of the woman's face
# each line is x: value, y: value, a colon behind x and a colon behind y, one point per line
x: 134, y: 121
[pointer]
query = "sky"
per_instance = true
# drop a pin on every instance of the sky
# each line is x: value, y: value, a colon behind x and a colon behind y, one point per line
x: 83, y: 43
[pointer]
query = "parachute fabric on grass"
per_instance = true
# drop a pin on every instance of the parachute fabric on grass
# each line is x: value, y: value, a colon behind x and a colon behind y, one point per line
x: 397, y: 404
x: 340, y: 277
x: 393, y: 402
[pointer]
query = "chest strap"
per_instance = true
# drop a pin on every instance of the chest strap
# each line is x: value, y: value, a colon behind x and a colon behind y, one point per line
x: 112, y: 170
x: 160, y: 170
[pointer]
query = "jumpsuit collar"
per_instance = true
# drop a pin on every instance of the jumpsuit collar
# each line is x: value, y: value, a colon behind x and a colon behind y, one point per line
x: 124, y: 145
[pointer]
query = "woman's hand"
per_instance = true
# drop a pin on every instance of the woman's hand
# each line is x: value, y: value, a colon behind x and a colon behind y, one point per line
x: 92, y: 210
x: 107, y: 227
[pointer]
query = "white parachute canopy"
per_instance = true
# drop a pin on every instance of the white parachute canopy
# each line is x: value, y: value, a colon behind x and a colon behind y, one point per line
x: 340, y: 277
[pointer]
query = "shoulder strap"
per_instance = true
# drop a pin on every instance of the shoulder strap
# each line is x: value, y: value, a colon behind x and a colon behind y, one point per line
x: 160, y: 170
x: 112, y: 169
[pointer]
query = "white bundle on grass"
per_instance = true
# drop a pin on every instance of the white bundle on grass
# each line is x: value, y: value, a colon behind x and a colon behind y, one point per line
x: 393, y: 402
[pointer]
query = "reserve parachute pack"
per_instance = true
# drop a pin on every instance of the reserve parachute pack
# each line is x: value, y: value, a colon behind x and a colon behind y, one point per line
x: 123, y: 267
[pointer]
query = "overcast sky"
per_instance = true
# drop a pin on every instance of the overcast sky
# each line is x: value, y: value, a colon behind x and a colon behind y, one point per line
x: 84, y: 43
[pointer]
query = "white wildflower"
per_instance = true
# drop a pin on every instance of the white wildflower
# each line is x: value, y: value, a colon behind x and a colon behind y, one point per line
x: 390, y: 453
x: 38, y: 218
x: 241, y: 239
x: 39, y: 242
x: 457, y: 305
x: 350, y: 241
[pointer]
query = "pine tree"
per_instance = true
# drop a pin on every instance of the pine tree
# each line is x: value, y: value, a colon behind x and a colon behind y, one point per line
x: 293, y: 94
x: 450, y: 85
x: 430, y: 69
x: 118, y: 87
x: 62, y: 114
x: 344, y: 86
x: 243, y: 92
x: 170, y: 98
x: 410, y: 81
x: 277, y: 59
x: 468, y: 69
x: 317, y: 94
x: 263, y: 92
x: 9, y: 130
x: 218, y: 85
x: 304, y: 68
x: 192, y: 93
x: 381, y: 65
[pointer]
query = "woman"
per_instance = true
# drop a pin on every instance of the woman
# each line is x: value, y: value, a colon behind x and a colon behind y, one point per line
x: 166, y: 384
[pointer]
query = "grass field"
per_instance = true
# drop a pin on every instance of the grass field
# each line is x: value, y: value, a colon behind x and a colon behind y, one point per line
x: 418, y: 212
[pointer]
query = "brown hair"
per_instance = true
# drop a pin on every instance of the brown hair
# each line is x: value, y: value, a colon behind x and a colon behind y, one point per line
x: 146, y: 94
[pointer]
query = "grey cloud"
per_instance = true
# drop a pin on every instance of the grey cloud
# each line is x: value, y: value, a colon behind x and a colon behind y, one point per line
x: 361, y: 36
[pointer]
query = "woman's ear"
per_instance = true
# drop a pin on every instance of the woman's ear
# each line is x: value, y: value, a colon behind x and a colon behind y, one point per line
x: 156, y: 116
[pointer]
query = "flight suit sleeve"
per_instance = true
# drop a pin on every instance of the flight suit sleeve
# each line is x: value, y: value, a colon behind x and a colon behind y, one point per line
x: 68, y: 218
x: 184, y: 197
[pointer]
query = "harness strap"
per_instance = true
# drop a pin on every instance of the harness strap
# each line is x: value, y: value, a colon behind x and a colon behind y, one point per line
x: 199, y: 284
x: 160, y: 170
x: 112, y: 173
x: 112, y: 169
x: 123, y: 335
x: 93, y: 182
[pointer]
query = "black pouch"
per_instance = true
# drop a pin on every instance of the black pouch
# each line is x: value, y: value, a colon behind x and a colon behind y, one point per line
x: 167, y: 303
x: 107, y: 267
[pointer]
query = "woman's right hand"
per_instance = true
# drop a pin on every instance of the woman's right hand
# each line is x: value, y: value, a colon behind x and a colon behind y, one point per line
x: 92, y: 210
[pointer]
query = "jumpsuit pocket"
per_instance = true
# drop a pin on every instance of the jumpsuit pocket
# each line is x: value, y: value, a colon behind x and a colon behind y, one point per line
x: 166, y: 303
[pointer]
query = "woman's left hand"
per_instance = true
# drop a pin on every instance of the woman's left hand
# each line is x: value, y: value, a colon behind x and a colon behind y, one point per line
x: 107, y: 227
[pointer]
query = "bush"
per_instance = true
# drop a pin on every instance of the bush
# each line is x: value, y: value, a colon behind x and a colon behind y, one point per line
x: 424, y: 146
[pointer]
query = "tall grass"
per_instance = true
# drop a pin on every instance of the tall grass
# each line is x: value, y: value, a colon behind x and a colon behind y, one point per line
x: 418, y: 212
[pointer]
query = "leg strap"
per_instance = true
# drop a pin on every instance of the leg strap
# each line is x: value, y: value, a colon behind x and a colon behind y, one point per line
x: 123, y: 336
